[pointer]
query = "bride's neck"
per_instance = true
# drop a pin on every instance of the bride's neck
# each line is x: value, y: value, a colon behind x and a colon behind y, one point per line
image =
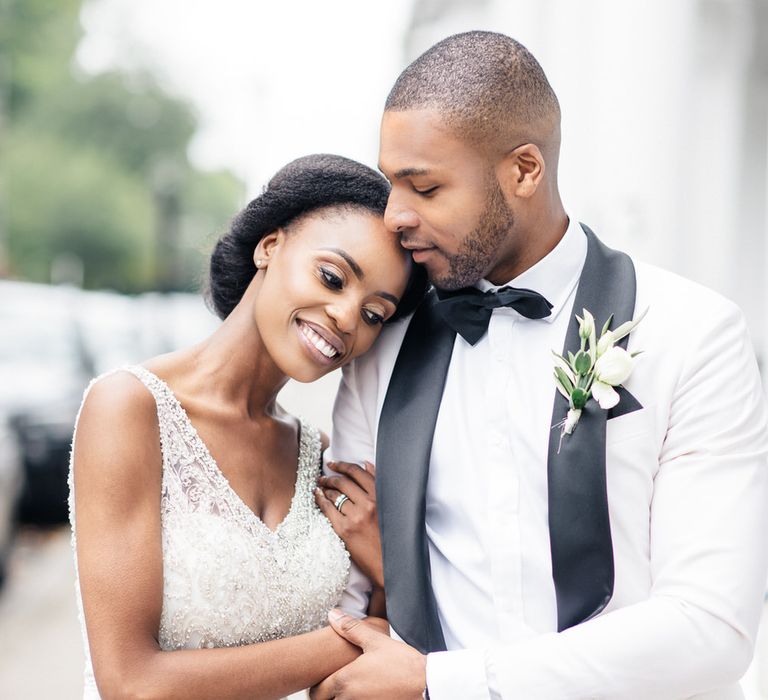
x: 234, y: 367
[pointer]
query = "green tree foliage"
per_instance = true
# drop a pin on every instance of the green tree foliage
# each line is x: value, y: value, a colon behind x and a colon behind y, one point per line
x: 37, y: 40
x: 96, y: 166
x: 64, y: 199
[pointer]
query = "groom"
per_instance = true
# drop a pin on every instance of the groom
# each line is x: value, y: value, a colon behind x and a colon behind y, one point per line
x: 625, y: 559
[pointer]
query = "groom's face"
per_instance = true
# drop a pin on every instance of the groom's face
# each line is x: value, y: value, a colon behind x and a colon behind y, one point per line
x: 446, y: 203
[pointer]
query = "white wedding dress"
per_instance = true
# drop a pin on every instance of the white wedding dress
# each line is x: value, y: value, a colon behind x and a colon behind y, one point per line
x: 228, y: 579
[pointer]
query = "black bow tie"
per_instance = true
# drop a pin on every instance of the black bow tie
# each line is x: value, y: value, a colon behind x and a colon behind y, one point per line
x: 468, y: 311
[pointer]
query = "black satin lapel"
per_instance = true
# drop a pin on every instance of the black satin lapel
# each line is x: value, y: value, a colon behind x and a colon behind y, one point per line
x: 627, y: 402
x: 579, y: 526
x: 404, y: 443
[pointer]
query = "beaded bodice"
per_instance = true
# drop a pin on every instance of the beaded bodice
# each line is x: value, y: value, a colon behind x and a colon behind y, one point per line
x: 228, y: 579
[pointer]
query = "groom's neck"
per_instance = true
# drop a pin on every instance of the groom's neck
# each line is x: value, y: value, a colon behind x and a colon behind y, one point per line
x: 534, y: 238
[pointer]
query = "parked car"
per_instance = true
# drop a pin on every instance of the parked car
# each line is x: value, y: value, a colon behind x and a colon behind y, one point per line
x: 44, y: 368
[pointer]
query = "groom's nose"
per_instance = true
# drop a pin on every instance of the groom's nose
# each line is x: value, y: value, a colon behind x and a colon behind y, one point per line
x: 399, y: 217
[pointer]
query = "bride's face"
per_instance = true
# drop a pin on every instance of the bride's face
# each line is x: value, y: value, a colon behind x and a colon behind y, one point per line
x: 327, y: 285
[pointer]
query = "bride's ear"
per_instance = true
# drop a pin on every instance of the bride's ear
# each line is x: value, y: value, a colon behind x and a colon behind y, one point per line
x: 266, y: 248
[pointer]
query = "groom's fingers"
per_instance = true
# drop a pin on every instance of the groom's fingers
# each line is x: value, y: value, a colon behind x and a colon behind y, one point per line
x: 344, y: 485
x: 325, y: 690
x: 328, y: 509
x: 332, y: 494
x: 362, y: 476
x: 353, y: 629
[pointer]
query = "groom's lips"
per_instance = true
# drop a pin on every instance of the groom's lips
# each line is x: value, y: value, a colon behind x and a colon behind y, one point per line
x: 421, y: 254
x: 418, y: 252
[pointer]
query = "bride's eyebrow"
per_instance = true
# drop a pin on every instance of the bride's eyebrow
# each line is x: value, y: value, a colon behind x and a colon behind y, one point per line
x: 359, y: 272
x: 388, y: 297
x: 349, y: 260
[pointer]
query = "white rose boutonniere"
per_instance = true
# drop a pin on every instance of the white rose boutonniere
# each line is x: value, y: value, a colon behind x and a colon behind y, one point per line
x: 595, y: 369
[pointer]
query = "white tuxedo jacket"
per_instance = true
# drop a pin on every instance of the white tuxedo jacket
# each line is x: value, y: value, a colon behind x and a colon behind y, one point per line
x: 687, y: 481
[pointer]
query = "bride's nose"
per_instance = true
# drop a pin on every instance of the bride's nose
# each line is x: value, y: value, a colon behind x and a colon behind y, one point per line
x: 345, y: 313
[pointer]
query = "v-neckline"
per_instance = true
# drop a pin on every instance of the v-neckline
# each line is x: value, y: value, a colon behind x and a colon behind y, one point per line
x: 216, y: 469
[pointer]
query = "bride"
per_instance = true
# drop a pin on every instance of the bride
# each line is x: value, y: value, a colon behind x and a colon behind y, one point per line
x: 196, y: 529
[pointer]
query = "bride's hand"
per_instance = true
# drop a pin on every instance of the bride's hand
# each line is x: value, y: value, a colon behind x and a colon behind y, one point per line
x: 356, y: 522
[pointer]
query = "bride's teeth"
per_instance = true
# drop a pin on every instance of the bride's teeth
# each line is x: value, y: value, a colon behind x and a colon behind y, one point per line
x: 328, y: 350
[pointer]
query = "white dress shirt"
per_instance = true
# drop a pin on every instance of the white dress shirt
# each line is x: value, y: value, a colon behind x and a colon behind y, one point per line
x: 687, y: 488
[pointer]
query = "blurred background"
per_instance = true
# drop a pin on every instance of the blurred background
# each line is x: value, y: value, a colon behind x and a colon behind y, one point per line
x: 132, y: 130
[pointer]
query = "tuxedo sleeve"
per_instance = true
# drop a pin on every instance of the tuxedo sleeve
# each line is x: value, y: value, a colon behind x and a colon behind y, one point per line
x: 352, y: 441
x: 708, y: 523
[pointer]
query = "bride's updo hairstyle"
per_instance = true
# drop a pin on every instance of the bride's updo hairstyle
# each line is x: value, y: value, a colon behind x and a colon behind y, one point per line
x: 305, y: 186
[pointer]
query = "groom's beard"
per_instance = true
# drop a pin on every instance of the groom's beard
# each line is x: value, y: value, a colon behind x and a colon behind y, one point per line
x: 478, y: 252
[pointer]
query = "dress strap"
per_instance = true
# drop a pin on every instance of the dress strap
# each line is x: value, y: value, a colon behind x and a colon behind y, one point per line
x: 152, y: 382
x: 310, y: 463
x: 171, y: 418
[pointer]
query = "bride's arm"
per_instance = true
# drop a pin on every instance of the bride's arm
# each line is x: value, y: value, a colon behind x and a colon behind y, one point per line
x: 117, y: 476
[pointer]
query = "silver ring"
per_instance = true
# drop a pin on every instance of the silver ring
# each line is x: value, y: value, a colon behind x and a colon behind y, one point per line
x: 340, y: 501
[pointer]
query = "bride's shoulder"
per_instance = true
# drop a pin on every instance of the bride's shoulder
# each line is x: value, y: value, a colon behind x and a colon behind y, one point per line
x: 119, y: 391
x: 116, y: 461
x: 117, y: 403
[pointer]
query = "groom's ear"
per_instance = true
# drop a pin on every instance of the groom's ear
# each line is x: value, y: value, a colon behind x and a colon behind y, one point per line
x: 520, y: 171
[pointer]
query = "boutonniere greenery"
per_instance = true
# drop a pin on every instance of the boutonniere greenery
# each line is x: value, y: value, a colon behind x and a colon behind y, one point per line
x: 595, y: 370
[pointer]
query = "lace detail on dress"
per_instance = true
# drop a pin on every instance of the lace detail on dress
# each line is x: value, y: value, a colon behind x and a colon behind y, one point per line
x: 228, y: 579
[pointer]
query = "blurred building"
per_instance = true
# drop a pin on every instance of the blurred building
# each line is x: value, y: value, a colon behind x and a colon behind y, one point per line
x: 665, y: 121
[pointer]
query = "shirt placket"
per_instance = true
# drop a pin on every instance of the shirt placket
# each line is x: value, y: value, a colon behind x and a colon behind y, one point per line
x: 503, y: 468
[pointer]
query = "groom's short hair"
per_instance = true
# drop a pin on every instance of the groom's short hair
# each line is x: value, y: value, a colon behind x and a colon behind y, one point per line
x: 487, y: 87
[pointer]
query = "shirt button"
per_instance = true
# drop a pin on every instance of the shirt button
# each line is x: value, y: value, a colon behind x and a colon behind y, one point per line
x: 496, y: 439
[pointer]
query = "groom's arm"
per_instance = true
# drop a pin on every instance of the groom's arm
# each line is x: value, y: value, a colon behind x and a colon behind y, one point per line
x: 355, y: 418
x: 708, y: 525
x: 353, y: 438
x: 352, y: 441
x: 360, y: 395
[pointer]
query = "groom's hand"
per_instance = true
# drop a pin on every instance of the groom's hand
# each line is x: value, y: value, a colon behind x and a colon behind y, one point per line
x: 387, y: 669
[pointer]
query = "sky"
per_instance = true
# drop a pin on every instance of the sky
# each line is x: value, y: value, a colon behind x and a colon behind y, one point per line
x: 270, y: 81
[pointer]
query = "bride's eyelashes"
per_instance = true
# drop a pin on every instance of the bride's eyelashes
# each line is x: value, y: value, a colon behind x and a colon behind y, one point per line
x: 331, y: 280
x: 372, y: 318
x: 335, y: 282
